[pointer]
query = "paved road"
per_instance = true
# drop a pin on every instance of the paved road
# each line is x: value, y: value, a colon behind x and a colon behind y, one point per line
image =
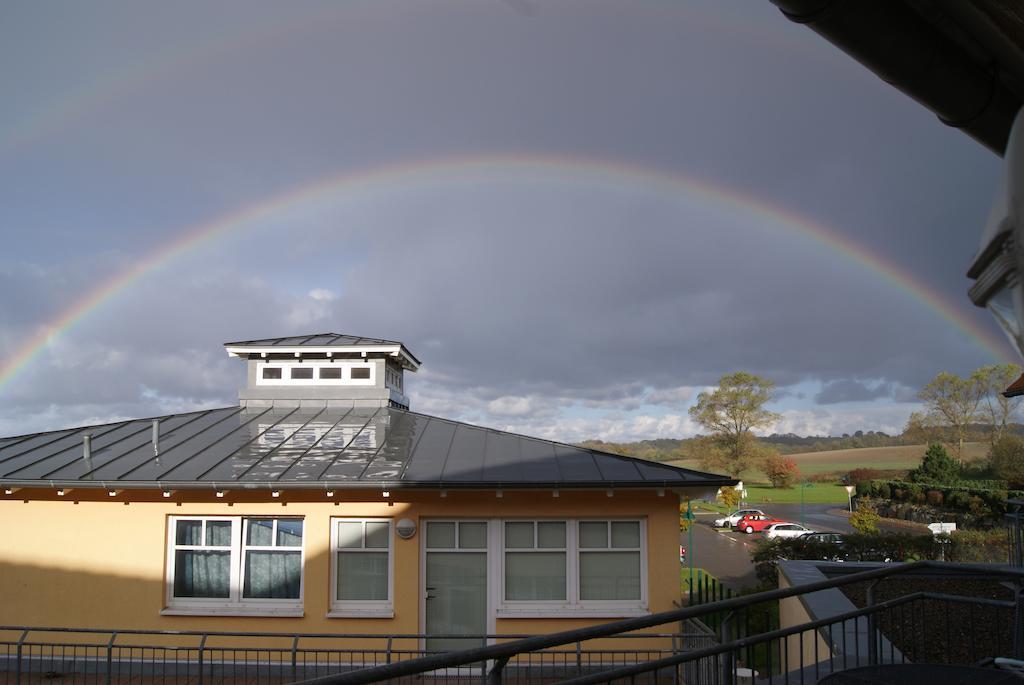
x: 727, y: 555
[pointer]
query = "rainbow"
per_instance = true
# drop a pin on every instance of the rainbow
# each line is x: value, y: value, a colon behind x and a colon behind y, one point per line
x: 390, y: 178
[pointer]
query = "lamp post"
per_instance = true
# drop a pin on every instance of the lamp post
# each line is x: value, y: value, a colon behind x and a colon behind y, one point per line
x: 849, y: 496
x: 805, y: 484
x: 689, y: 516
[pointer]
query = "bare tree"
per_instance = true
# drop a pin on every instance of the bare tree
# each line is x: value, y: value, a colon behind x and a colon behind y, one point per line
x: 995, y: 408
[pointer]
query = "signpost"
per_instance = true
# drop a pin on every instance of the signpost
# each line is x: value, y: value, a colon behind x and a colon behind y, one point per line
x: 689, y: 516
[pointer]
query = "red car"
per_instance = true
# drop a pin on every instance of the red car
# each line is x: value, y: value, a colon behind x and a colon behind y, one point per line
x: 756, y: 523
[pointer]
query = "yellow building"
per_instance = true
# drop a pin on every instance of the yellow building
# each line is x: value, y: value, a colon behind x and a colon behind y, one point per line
x: 321, y: 504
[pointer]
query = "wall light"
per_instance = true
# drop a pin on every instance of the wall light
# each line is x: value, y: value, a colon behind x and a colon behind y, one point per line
x: 167, y: 493
x: 60, y: 493
x: 330, y: 493
x: 220, y: 493
x: 386, y: 493
x: 275, y: 493
x: 111, y: 493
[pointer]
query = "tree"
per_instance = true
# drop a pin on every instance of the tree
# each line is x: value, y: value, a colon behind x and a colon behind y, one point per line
x: 922, y: 427
x: 956, y: 401
x: 1007, y: 459
x: 865, y: 519
x: 936, y: 466
x: 782, y: 472
x: 731, y: 413
x: 730, y: 497
x: 995, y: 408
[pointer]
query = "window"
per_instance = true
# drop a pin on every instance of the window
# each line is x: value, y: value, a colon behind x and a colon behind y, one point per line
x: 330, y: 372
x: 302, y: 373
x: 235, y: 565
x: 609, y: 560
x: 535, y: 560
x: 361, y: 573
x: 360, y: 373
x: 582, y: 567
x: 271, y: 372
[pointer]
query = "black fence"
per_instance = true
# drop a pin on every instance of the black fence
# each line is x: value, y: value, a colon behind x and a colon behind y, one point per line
x: 719, y: 643
x: 1015, y: 531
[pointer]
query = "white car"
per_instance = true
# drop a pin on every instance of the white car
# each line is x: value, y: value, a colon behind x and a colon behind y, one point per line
x: 734, y: 518
x: 786, y: 530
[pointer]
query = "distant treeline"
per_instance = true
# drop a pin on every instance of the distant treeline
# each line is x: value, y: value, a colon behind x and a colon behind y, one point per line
x: 669, y: 449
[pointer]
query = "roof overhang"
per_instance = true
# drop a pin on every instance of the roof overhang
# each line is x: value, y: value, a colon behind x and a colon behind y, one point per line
x: 402, y: 355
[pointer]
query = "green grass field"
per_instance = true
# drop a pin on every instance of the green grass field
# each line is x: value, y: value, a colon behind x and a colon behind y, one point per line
x: 814, y: 493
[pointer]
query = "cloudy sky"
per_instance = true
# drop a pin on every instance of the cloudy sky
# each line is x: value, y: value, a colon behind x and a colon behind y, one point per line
x: 577, y: 213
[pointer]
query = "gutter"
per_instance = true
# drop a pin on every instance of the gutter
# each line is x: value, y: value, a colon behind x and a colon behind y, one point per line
x: 357, y: 485
x: 910, y: 52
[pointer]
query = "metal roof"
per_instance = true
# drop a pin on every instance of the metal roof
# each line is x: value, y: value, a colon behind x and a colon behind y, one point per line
x: 281, y: 448
x: 322, y: 343
x: 315, y: 340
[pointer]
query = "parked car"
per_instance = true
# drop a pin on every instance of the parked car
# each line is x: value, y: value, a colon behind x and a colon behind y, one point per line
x: 755, y: 523
x: 836, y: 538
x: 732, y: 519
x: 786, y: 530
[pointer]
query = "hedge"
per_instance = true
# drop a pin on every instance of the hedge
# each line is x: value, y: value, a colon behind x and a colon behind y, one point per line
x: 959, y: 496
x: 962, y: 546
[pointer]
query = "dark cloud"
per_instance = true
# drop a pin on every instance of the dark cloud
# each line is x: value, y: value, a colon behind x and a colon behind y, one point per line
x: 849, y: 390
x: 554, y: 301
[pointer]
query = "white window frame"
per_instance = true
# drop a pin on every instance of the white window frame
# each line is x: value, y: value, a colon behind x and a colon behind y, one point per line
x: 361, y: 608
x: 234, y: 604
x: 572, y: 605
x: 346, y: 373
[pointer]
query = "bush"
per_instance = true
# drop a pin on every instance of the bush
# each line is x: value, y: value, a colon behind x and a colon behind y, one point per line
x: 962, y: 546
x: 1007, y: 458
x: 976, y: 505
x: 958, y: 499
x: 934, y: 498
x: 936, y: 467
x: 782, y: 471
x: 865, y: 519
x: 863, y: 489
x: 858, y: 476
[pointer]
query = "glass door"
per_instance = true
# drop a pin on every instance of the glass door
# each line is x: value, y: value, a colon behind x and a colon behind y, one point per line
x: 456, y: 584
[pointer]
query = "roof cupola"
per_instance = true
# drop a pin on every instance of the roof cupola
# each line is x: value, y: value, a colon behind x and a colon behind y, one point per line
x: 324, y: 370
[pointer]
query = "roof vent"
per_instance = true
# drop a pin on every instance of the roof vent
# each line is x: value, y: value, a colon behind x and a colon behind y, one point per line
x: 87, y: 447
x: 156, y: 437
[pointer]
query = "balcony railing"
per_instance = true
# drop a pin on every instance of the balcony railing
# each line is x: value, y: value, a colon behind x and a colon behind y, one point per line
x: 670, y: 647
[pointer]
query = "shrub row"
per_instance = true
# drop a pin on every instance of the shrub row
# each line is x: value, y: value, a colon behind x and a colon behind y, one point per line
x: 961, y: 497
x: 962, y: 546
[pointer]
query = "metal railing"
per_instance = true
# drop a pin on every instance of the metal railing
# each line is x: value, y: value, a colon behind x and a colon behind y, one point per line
x: 799, y: 653
x: 915, y: 626
x: 34, y: 655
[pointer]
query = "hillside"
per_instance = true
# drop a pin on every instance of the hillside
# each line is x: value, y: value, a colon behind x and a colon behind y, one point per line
x: 902, y: 457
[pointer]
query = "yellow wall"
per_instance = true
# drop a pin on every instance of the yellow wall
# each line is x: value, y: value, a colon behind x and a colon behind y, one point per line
x: 793, y: 613
x: 88, y: 560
